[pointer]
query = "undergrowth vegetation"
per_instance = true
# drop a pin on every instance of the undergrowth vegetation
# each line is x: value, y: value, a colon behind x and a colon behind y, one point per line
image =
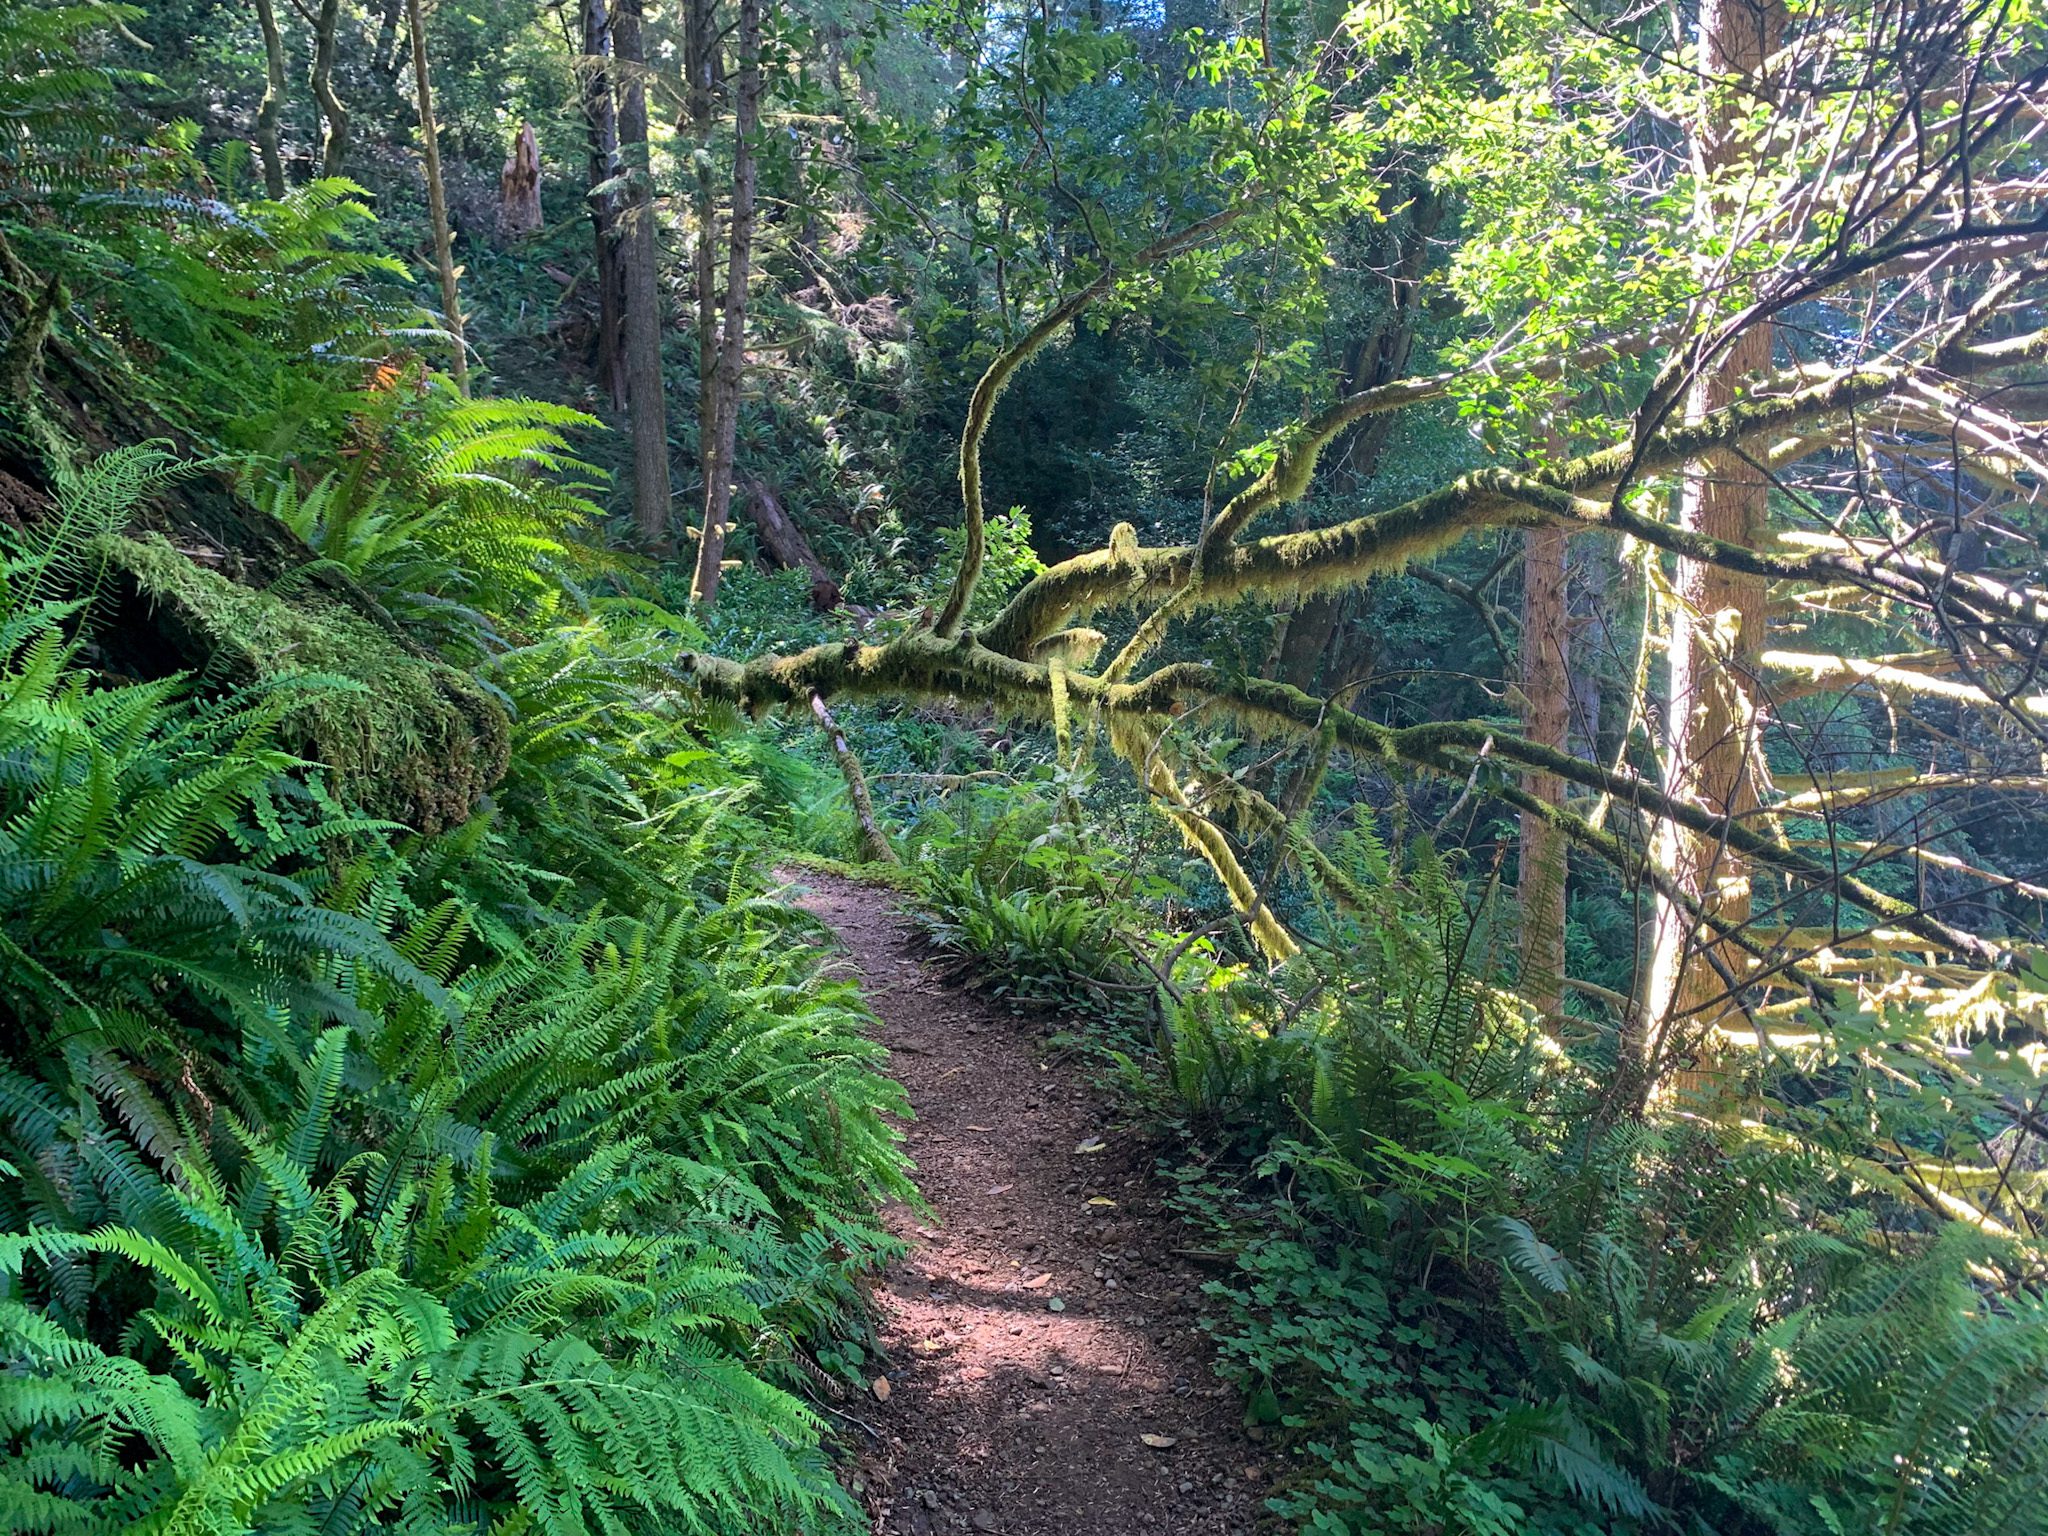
x: 1466, y: 1294
x: 360, y: 1178
x: 413, y: 1114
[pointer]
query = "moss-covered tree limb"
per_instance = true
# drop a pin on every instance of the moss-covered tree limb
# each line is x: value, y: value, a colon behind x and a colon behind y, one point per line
x: 874, y: 845
x: 1323, y: 559
x: 922, y: 665
x: 981, y: 405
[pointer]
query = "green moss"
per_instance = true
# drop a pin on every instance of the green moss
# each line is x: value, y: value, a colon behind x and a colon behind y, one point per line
x: 406, y: 736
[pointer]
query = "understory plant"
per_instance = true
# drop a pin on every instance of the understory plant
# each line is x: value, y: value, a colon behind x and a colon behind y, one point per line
x: 1468, y: 1290
x: 516, y: 1177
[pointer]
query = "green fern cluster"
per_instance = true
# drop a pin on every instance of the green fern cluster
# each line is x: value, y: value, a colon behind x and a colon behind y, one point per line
x: 459, y: 514
x: 518, y: 1177
x: 61, y: 133
x: 1819, y: 1386
x: 247, y: 325
x: 1007, y: 880
x: 115, y: 807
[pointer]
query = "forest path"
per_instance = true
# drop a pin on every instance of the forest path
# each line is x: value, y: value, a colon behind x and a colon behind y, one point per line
x: 1042, y: 1324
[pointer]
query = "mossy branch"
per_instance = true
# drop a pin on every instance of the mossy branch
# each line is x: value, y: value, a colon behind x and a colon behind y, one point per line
x: 1294, y: 564
x: 982, y: 404
x: 924, y: 666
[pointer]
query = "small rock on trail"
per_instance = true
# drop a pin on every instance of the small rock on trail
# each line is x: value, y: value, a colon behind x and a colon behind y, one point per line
x: 1003, y: 1413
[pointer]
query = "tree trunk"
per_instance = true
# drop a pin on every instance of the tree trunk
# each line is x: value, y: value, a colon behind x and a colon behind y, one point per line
x: 334, y: 153
x: 601, y: 117
x: 732, y: 341
x: 437, y: 197
x: 267, y: 114
x: 1546, y: 695
x: 1590, y: 647
x: 1716, y: 633
x: 644, y: 384
x: 519, y: 215
x: 786, y: 545
x: 388, y: 54
x: 700, y: 46
x: 873, y: 845
x: 1310, y: 628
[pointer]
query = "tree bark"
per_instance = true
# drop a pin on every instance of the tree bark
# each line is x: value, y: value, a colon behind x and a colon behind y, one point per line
x: 732, y: 341
x: 601, y: 116
x: 1310, y: 629
x: 1546, y: 696
x: 267, y: 145
x: 1717, y: 631
x: 519, y: 214
x: 873, y: 845
x: 700, y: 46
x: 645, y: 392
x: 387, y: 56
x: 334, y: 153
x: 1377, y: 356
x: 437, y: 196
x: 1590, y: 646
x: 785, y: 544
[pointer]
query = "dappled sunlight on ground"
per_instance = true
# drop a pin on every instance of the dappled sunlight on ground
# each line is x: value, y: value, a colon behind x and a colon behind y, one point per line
x: 1045, y: 1374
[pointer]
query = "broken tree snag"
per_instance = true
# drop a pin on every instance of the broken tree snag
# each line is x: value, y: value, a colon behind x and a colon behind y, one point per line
x: 784, y: 543
x: 519, y: 188
x: 873, y: 845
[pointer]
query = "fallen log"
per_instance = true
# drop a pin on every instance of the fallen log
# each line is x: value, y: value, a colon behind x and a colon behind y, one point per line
x: 783, y: 542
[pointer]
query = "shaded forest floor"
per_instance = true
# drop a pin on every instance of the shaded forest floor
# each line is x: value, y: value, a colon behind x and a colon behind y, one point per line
x: 1045, y: 1375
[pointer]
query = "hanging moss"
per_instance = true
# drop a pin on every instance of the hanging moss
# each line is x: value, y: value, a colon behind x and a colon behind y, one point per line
x: 407, y: 736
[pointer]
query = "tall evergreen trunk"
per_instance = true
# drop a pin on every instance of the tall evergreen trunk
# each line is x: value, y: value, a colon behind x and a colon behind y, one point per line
x: 1589, y: 672
x: 1716, y: 634
x: 1546, y: 696
x: 700, y: 59
x: 267, y: 144
x: 732, y: 341
x: 637, y: 251
x: 600, y: 117
x: 437, y: 196
x: 334, y: 152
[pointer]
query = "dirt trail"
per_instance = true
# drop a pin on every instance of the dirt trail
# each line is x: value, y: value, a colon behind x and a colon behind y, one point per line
x: 1042, y: 1324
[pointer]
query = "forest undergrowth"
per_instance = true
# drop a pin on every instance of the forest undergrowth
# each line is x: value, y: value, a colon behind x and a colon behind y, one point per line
x: 1463, y: 1294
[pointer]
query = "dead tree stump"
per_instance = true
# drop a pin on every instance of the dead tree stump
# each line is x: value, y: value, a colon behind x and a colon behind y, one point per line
x: 519, y: 188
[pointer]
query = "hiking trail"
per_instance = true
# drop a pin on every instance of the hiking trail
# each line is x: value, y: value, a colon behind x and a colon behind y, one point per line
x: 1045, y: 1375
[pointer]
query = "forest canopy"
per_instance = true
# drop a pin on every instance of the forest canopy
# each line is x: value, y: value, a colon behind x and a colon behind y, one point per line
x: 1458, y: 590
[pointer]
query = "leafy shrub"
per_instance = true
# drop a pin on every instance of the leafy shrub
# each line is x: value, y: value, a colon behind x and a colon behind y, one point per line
x: 1008, y: 561
x: 1381, y: 1389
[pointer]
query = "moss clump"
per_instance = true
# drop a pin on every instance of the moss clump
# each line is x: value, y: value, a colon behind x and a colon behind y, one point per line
x: 413, y: 739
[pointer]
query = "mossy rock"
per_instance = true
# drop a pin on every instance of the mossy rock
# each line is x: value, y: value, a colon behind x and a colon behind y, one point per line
x: 406, y: 735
